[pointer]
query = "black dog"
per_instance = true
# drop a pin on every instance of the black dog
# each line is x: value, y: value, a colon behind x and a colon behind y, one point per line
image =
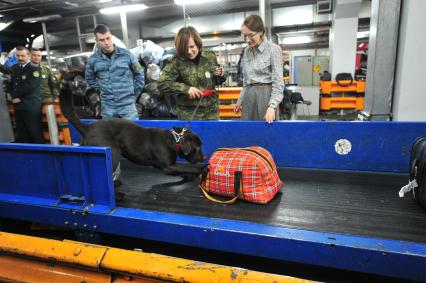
x: 144, y: 146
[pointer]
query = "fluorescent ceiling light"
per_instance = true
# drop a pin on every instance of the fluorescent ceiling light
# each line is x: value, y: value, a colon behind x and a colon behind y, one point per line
x: 296, y: 40
x: 42, y: 18
x: 123, y: 8
x: 362, y: 34
x: 191, y: 2
x: 104, y: 1
x: 4, y: 25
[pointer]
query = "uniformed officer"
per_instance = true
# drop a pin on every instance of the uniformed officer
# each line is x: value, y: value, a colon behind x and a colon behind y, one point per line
x: 25, y: 91
x: 48, y: 85
x: 117, y: 74
x: 190, y: 72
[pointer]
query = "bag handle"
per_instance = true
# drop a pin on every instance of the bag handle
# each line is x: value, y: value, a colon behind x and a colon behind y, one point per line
x: 339, y: 81
x: 237, y: 189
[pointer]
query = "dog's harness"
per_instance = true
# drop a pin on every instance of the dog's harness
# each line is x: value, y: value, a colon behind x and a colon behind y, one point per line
x: 178, y: 137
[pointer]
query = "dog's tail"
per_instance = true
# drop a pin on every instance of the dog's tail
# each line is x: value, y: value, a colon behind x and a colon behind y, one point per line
x: 66, y: 102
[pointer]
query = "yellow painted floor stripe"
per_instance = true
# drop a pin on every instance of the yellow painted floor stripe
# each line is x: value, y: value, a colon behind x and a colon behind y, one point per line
x: 53, y: 250
x: 130, y: 262
x: 17, y: 269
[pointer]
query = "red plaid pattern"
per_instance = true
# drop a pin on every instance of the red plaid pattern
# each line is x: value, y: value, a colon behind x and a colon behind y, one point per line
x: 260, y: 180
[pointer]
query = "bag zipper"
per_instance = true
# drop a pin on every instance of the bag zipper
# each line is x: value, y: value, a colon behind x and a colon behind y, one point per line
x: 249, y: 150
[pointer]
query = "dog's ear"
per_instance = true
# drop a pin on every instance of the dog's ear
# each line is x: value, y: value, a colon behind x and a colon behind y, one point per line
x: 186, y: 146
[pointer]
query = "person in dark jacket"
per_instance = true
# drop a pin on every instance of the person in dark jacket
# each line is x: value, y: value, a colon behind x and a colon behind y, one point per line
x: 25, y: 91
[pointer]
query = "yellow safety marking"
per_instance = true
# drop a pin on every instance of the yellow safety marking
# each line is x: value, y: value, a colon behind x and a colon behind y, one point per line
x: 131, y: 262
x: 53, y: 250
x: 183, y: 270
x: 19, y: 269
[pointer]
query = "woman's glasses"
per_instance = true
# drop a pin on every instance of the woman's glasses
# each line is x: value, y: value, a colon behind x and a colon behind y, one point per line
x: 249, y: 35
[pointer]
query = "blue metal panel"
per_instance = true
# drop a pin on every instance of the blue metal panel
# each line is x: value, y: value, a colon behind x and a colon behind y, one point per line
x: 376, y: 146
x: 36, y: 176
x: 70, y: 176
x: 398, y: 259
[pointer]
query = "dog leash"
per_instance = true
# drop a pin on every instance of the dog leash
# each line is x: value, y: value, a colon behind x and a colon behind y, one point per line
x: 193, y: 113
x: 205, y: 93
x: 178, y: 136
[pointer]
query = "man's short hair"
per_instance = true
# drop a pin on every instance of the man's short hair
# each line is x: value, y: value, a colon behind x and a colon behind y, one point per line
x: 101, y: 29
x: 35, y: 49
x: 21, y: 48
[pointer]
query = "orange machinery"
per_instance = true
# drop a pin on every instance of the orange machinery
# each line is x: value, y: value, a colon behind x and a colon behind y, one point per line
x: 228, y: 96
x: 344, y: 96
x: 63, y: 130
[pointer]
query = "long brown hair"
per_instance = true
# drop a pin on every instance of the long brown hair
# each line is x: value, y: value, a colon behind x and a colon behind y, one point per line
x: 182, y: 38
x: 255, y: 23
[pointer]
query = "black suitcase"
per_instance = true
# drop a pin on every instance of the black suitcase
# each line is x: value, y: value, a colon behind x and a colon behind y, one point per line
x: 418, y: 169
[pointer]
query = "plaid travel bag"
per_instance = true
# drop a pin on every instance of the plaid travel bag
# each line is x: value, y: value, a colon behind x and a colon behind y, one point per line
x: 246, y: 173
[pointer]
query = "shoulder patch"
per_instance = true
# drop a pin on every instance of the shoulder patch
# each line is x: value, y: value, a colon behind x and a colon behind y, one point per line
x: 36, y: 74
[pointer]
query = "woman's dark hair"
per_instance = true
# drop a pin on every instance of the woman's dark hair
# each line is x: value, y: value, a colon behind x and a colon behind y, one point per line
x: 254, y: 23
x: 182, y: 38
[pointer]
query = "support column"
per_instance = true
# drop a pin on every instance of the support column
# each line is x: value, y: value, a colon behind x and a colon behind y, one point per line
x: 265, y: 12
x: 262, y: 9
x: 343, y: 38
x: 382, y: 48
x: 123, y: 18
x: 46, y: 43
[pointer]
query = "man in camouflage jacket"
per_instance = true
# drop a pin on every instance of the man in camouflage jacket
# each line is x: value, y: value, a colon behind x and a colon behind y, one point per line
x: 48, y: 84
x: 117, y: 74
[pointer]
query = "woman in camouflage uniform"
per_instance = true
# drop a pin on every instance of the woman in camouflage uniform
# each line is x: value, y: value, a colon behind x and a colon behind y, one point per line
x: 188, y: 73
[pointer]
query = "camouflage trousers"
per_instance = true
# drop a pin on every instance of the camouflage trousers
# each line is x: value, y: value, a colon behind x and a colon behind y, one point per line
x: 203, y: 113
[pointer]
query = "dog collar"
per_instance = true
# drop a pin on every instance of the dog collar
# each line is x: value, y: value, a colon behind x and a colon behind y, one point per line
x: 178, y: 137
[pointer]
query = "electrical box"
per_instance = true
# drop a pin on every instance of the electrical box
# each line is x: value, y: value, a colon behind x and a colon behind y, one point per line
x: 304, y: 70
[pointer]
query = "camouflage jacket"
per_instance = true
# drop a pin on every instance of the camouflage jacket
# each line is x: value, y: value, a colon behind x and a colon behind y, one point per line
x: 119, y: 78
x: 180, y: 74
x: 48, y: 85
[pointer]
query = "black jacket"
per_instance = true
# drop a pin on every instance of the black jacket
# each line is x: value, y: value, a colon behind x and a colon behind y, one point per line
x: 25, y: 85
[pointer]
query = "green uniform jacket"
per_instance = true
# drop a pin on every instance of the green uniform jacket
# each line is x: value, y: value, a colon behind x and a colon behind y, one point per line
x: 48, y: 85
x: 180, y: 74
x: 25, y: 85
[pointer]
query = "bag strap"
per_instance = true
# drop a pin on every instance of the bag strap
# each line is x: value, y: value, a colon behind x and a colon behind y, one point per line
x: 237, y: 189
